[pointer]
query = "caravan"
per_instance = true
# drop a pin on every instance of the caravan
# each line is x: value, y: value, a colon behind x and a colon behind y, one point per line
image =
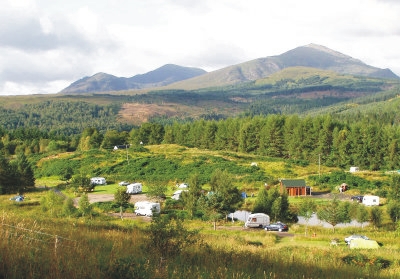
x: 147, y: 208
x: 177, y: 195
x: 134, y: 188
x: 257, y: 220
x: 370, y: 200
x: 98, y: 181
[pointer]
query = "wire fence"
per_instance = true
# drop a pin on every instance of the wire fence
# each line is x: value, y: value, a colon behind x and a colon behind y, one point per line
x: 19, y: 233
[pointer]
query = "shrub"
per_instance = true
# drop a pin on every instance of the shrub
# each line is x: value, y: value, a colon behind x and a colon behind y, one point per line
x: 361, y: 260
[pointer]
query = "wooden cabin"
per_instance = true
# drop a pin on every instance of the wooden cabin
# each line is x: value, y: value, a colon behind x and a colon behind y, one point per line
x: 295, y: 187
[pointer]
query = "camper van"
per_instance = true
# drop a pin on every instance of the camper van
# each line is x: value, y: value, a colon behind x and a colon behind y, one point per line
x: 257, y: 220
x: 134, y: 188
x: 98, y: 181
x: 354, y: 169
x: 147, y: 208
x: 177, y: 195
x: 370, y: 200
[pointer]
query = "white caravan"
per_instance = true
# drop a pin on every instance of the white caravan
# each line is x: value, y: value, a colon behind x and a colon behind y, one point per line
x: 98, y: 181
x: 177, y: 195
x: 134, y: 188
x: 147, y: 208
x: 257, y: 220
x: 370, y: 200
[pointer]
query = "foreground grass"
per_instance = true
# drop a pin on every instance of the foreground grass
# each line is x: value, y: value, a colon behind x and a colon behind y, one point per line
x: 34, y: 245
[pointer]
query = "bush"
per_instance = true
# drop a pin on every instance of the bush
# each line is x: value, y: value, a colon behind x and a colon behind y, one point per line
x: 361, y: 260
x: 129, y: 267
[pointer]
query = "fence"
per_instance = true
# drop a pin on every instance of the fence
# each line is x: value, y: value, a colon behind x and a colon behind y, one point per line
x: 19, y: 233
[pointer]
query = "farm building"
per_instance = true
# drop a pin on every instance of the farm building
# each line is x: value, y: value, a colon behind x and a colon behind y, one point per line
x: 295, y: 187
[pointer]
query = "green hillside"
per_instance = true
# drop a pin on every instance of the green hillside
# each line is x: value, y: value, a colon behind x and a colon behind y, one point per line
x: 297, y: 90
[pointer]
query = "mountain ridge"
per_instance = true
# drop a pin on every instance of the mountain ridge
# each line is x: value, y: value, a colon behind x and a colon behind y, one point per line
x: 311, y: 55
x: 103, y: 82
x: 172, y: 76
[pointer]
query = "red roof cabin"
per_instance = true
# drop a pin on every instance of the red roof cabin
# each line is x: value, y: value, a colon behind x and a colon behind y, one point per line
x: 295, y: 187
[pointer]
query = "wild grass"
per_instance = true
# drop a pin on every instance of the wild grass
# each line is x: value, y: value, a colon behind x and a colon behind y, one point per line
x: 106, y: 248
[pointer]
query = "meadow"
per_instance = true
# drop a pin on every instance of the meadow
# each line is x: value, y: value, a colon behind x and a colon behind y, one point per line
x: 36, y: 243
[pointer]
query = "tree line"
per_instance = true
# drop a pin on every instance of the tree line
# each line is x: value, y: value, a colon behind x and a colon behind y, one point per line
x: 367, y: 144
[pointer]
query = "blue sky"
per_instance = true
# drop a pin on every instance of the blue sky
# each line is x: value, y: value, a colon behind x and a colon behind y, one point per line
x: 47, y: 44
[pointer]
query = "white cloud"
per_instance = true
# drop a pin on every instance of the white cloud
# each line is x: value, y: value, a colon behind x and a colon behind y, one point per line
x: 45, y: 46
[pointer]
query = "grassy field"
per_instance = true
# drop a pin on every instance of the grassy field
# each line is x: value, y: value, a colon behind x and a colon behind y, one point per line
x: 106, y: 247
x: 38, y: 240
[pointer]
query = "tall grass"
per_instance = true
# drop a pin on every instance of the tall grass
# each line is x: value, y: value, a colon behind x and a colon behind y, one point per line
x: 34, y: 245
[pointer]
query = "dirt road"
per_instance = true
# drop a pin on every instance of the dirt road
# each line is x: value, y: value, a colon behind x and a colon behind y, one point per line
x: 110, y: 197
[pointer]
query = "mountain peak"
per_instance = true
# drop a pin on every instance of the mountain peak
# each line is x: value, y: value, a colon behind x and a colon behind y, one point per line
x: 101, y: 82
x: 327, y: 50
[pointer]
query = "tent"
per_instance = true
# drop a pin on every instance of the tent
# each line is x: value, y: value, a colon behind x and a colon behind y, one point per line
x: 361, y: 243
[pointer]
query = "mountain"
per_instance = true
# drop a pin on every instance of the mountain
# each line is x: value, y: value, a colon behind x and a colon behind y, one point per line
x: 312, y: 55
x: 102, y: 82
x: 178, y: 77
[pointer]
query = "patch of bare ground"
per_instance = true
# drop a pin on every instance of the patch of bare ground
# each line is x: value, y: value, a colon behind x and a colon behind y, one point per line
x: 139, y: 113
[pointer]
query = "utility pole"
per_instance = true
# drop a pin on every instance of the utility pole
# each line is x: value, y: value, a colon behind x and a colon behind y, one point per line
x: 319, y: 165
x: 127, y: 157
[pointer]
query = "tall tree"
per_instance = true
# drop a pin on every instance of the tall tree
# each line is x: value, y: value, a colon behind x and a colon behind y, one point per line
x: 306, y: 210
x: 26, y: 177
x: 6, y: 176
x: 271, y: 136
x: 228, y: 197
x: 393, y: 209
x: 261, y: 203
x: 376, y: 216
x: 362, y: 214
x: 191, y: 197
x: 333, y: 213
x: 121, y: 197
x: 84, y: 205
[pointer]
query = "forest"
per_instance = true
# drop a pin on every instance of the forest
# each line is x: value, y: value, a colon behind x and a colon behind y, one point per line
x: 366, y: 143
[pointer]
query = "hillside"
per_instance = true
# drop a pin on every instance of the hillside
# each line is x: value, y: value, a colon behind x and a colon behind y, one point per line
x: 102, y: 82
x: 295, y: 90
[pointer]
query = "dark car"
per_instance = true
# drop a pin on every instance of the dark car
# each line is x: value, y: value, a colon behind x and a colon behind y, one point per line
x: 357, y: 198
x: 279, y: 227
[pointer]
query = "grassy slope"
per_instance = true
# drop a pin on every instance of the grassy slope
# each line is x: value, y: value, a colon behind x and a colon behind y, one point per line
x: 244, y: 253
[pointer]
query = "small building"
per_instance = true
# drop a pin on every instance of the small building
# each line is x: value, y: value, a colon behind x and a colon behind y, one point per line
x: 354, y: 169
x: 295, y: 187
x: 126, y: 146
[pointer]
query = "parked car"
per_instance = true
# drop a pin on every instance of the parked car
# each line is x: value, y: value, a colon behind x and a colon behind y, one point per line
x: 354, y: 236
x: 357, y: 198
x: 123, y: 183
x: 280, y: 227
x: 18, y: 198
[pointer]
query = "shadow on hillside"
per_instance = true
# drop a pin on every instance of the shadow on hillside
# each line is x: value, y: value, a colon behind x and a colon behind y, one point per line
x: 320, y: 193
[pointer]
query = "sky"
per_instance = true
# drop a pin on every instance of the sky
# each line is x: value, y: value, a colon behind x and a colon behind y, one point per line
x: 45, y: 45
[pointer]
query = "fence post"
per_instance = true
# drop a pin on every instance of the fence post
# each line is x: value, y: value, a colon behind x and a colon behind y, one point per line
x: 55, y: 245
